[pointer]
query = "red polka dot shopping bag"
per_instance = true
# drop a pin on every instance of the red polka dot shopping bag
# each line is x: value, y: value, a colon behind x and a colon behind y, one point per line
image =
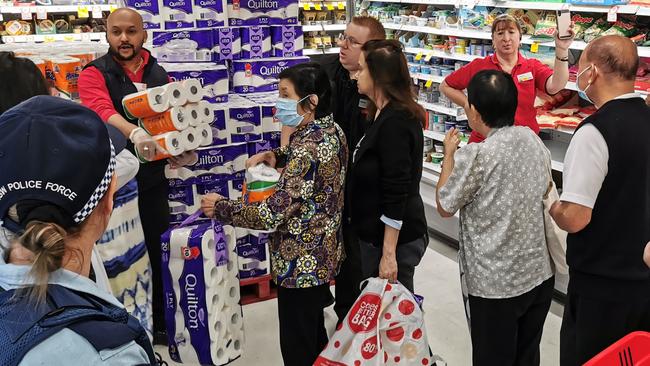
x: 384, y: 327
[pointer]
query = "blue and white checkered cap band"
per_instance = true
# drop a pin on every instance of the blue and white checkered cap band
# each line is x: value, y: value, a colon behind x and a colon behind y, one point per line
x: 99, y: 191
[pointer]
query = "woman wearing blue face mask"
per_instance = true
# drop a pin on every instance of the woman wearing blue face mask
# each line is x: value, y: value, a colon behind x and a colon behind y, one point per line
x: 306, y: 249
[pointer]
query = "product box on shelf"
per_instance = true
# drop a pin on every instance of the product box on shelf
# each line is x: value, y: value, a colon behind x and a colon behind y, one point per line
x: 183, y: 46
x: 226, y: 44
x: 288, y: 40
x: 149, y: 10
x: 262, y: 12
x: 244, y: 123
x: 252, y: 76
x: 210, y: 13
x: 255, y: 42
x: 177, y: 14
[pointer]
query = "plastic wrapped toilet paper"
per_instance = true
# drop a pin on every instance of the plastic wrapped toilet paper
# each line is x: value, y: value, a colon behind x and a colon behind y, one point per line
x: 288, y: 40
x: 244, y: 124
x: 253, y: 253
x: 173, y: 119
x: 252, y: 76
x: 269, y: 123
x: 205, y: 132
x: 262, y: 12
x: 260, y: 183
x: 213, y: 78
x: 227, y: 44
x: 176, y: 94
x: 214, y: 163
x: 183, y: 202
x: 177, y: 14
x: 220, y: 135
x: 255, y: 42
x: 235, y: 189
x: 273, y: 138
x: 202, y: 312
x: 210, y: 13
x: 149, y: 11
x: 194, y: 90
x: 146, y: 103
x: 258, y: 147
x: 183, y: 46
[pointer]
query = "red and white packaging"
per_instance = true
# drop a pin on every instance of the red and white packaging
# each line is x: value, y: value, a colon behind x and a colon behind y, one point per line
x: 384, y: 311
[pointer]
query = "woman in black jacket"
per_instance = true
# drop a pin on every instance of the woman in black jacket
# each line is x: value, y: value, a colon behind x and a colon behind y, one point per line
x: 387, y: 209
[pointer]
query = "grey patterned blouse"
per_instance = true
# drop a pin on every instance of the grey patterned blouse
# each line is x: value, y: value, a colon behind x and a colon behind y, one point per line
x: 498, y: 186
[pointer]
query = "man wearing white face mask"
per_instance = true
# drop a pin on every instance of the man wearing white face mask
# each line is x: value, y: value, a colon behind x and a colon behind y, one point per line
x: 605, y: 206
x: 306, y: 209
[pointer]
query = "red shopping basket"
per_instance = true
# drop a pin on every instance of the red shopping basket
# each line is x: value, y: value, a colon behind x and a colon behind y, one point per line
x: 631, y: 350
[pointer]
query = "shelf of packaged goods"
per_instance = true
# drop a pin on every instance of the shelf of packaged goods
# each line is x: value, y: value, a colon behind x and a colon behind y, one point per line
x: 440, y: 54
x: 322, y: 5
x: 454, y: 112
x: 36, y: 38
x: 326, y: 51
x: 433, y: 167
x: 485, y: 35
x: 531, y: 5
x: 439, y: 136
x: 55, y: 8
x: 323, y: 27
x: 312, y: 28
x: 334, y: 27
x: 434, y: 78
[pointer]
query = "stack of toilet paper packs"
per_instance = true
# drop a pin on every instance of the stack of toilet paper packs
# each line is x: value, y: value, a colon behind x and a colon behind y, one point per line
x: 200, y: 280
x: 175, y: 115
x: 188, y: 14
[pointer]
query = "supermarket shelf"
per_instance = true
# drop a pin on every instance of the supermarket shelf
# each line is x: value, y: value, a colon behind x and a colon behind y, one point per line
x: 439, y: 136
x: 475, y: 34
x: 433, y: 167
x: 440, y: 54
x: 434, y: 78
x: 455, y: 112
x: 34, y: 38
x: 533, y: 5
x: 326, y: 51
x: 54, y: 8
x: 323, y: 27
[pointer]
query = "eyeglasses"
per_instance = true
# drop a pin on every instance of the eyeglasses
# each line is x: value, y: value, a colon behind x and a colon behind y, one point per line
x: 350, y: 40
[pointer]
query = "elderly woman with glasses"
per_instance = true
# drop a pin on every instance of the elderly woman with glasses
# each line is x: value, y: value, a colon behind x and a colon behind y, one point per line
x: 529, y: 75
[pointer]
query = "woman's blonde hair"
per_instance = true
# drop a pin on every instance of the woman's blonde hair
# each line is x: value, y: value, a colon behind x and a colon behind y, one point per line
x: 505, y: 19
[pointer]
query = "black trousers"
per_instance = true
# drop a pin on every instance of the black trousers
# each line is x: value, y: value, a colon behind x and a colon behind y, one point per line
x: 349, y: 278
x: 408, y: 257
x: 302, y: 323
x: 154, y: 215
x: 508, y: 331
x: 590, y: 325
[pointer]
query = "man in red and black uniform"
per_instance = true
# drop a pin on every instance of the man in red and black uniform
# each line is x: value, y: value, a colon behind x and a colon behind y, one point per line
x: 125, y: 69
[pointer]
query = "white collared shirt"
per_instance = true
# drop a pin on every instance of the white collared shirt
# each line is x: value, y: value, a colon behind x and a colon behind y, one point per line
x: 585, y: 164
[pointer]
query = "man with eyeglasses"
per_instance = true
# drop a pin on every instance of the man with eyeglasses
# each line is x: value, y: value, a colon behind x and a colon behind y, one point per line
x: 349, y: 113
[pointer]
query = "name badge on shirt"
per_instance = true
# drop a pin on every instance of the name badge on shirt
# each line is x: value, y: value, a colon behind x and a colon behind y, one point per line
x: 140, y: 86
x: 363, y: 103
x: 525, y: 77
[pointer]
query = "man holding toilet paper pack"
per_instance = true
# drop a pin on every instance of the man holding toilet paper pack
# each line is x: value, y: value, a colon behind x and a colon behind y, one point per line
x: 125, y: 69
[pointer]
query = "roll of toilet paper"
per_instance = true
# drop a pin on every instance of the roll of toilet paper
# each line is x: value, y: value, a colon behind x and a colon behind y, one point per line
x: 213, y: 77
x: 256, y: 42
x: 146, y: 103
x: 190, y: 138
x: 194, y: 90
x: 194, y: 114
x: 205, y: 132
x: 288, y: 40
x: 183, y: 202
x: 170, y: 142
x: 176, y: 94
x: 206, y: 111
x: 173, y: 119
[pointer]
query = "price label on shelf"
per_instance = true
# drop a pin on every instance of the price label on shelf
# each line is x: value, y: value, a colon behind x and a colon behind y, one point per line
x: 418, y: 57
x: 26, y: 13
x: 41, y: 13
x: 428, y: 57
x: 534, y: 48
x: 612, y: 14
x: 85, y: 36
x: 97, y: 12
x: 318, y: 7
x: 428, y: 84
x: 68, y: 38
x: 29, y: 39
x: 329, y: 6
x: 48, y: 39
x: 341, y: 6
x: 82, y: 12
x: 112, y: 8
x: 306, y: 6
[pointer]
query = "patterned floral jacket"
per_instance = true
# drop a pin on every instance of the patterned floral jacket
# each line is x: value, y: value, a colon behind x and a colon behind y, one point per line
x: 306, y: 209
